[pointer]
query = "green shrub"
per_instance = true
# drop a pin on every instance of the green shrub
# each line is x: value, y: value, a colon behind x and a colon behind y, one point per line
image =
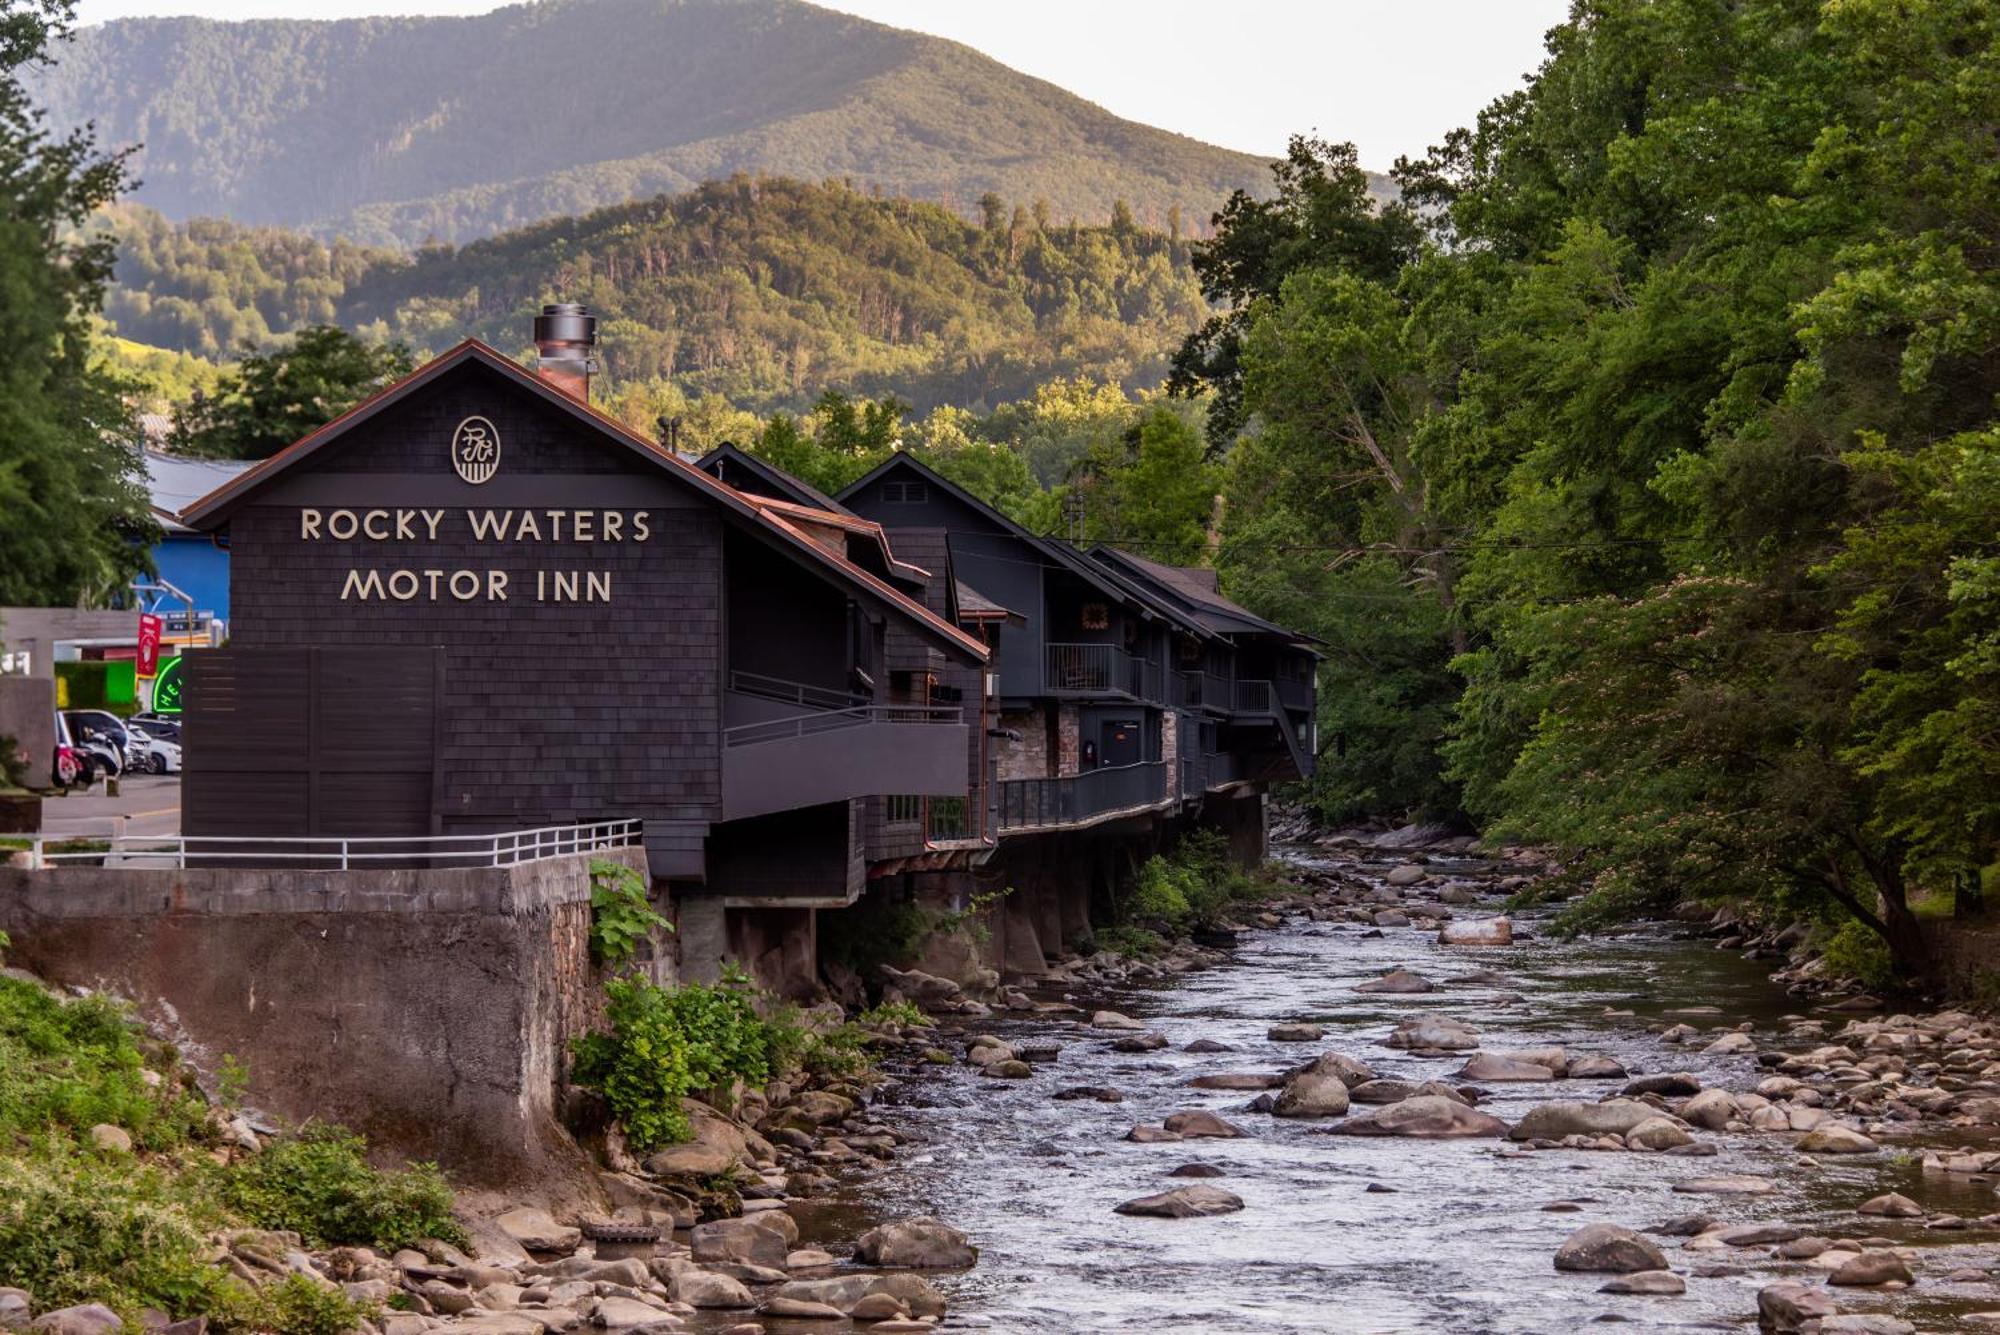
x: 74, y: 1230
x: 665, y: 1043
x: 621, y: 916
x: 293, y: 1305
x: 68, y: 1065
x: 1859, y: 953
x: 1194, y: 886
x: 1133, y: 942
x: 903, y: 1013
x: 319, y: 1185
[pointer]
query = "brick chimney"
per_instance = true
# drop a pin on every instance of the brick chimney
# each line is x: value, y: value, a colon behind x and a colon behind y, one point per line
x: 566, y: 348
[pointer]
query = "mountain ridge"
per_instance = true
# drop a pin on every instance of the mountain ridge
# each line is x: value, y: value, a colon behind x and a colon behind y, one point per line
x: 396, y: 131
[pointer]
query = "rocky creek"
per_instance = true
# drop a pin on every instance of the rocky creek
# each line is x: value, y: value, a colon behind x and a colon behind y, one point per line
x: 1387, y: 1233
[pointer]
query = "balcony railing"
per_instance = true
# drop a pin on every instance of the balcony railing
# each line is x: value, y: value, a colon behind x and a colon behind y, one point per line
x: 322, y: 852
x: 1100, y: 669
x: 1073, y: 799
x: 1255, y: 697
x: 1201, y: 690
x: 832, y: 720
x: 792, y: 692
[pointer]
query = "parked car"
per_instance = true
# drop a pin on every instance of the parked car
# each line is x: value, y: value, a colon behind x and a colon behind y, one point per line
x: 152, y: 750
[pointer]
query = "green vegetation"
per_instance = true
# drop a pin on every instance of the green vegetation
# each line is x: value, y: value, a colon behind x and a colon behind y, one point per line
x: 318, y: 1184
x: 665, y: 1043
x: 271, y: 399
x: 1194, y: 887
x: 370, y: 127
x: 1641, y: 474
x: 621, y: 916
x: 76, y: 519
x: 131, y: 1228
x: 87, y: 685
x: 764, y: 292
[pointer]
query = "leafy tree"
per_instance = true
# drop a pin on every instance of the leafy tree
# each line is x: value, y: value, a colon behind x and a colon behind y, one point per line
x: 76, y: 523
x: 276, y: 397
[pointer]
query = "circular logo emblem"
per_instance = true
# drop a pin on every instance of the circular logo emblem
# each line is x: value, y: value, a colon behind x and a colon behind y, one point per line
x: 475, y: 450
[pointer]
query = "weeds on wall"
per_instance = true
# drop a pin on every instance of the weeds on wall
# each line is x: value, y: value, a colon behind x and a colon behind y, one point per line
x: 621, y: 915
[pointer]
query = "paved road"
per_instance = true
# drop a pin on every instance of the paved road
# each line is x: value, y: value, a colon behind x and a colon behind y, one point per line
x: 147, y: 804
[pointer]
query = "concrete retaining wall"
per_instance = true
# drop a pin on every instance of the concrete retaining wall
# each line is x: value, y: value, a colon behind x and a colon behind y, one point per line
x: 430, y: 1010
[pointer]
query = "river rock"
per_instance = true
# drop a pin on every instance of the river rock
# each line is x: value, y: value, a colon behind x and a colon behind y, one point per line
x: 1732, y: 1184
x: 797, y: 1309
x: 1425, y: 1117
x: 1408, y: 873
x: 1350, y: 1071
x: 740, y: 1241
x: 1865, y: 1323
x: 879, y: 1307
x: 1870, y: 1268
x: 844, y: 1291
x: 1891, y: 1205
x: 1241, y: 1081
x: 537, y: 1230
x: 1184, y: 1203
x: 1731, y: 1043
x: 1151, y: 1135
x: 1113, y: 1020
x: 1392, y: 918
x: 915, y: 1244
x: 1609, y: 1248
x: 1197, y: 1170
x: 707, y: 1290
x: 1757, y: 1235
x: 1312, y: 1093
x: 1658, y: 1133
x: 1655, y: 1283
x: 1013, y: 1068
x: 1553, y: 1121
x: 1434, y: 1032
x: 16, y: 1308
x: 83, y: 1319
x: 1381, y: 1091
x: 1479, y: 932
x: 111, y: 1139
x: 693, y: 1159
x: 1295, y: 1033
x: 1711, y: 1109
x: 1596, y: 1068
x: 1835, y: 1140
x: 1096, y: 1093
x: 1499, y: 1067
x: 1207, y: 1045
x: 1197, y: 1123
x: 1398, y: 981
x: 1149, y: 1041
x: 1784, y: 1309
x: 1671, y: 1084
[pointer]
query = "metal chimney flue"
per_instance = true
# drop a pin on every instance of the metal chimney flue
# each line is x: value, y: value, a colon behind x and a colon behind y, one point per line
x: 566, y: 348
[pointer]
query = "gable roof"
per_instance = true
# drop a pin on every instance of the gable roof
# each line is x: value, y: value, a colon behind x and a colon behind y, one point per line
x: 1194, y: 588
x: 1058, y: 553
x: 788, y: 487
x: 173, y: 482
x: 214, y: 509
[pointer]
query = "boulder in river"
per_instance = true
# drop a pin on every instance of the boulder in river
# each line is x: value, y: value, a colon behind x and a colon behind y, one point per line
x: 1152, y: 1135
x: 1350, y: 1071
x: 1438, y: 1033
x: 1670, y: 1084
x: 915, y: 1244
x: 1197, y: 1170
x: 1184, y: 1203
x: 1658, y: 1133
x: 1381, y: 1091
x: 1834, y: 1139
x: 1312, y: 1093
x: 1892, y: 1205
x: 1553, y: 1121
x: 1207, y: 1045
x: 1784, y: 1309
x: 1113, y: 1020
x: 1871, y: 1269
x: 1295, y: 1033
x: 1237, y: 1080
x: 1407, y: 874
x: 1477, y: 932
x: 1653, y: 1283
x: 1730, y: 1184
x: 1500, y: 1067
x: 1398, y: 982
x: 844, y: 1291
x: 1425, y: 1117
x: 1711, y: 1109
x: 1608, y: 1248
x: 1596, y: 1068
x: 1149, y: 1041
x: 1198, y: 1123
x: 537, y: 1231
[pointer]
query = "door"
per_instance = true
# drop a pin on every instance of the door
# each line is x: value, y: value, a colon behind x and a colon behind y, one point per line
x: 1120, y: 742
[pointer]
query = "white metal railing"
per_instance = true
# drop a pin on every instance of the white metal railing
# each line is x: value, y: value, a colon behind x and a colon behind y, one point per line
x: 333, y: 852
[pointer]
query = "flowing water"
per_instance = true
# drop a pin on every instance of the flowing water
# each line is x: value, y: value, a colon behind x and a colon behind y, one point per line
x: 1462, y: 1242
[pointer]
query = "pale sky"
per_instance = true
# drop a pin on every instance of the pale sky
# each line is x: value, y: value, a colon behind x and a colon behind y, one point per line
x: 1391, y: 75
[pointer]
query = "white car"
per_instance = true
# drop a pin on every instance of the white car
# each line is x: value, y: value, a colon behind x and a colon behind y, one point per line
x: 155, y: 749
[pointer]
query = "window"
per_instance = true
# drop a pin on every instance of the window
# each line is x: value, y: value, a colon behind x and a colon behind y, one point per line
x: 905, y: 493
x: 902, y: 809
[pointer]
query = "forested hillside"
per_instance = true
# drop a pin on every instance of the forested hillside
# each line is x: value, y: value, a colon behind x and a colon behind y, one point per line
x: 764, y: 291
x: 402, y: 130
x: 1647, y: 484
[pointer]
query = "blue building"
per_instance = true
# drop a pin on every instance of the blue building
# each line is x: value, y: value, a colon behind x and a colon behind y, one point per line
x: 195, y: 563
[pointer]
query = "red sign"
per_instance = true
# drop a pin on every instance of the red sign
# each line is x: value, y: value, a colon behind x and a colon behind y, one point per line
x: 149, y: 643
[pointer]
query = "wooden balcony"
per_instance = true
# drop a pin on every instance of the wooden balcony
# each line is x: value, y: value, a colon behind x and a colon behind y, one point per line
x: 1102, y: 671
